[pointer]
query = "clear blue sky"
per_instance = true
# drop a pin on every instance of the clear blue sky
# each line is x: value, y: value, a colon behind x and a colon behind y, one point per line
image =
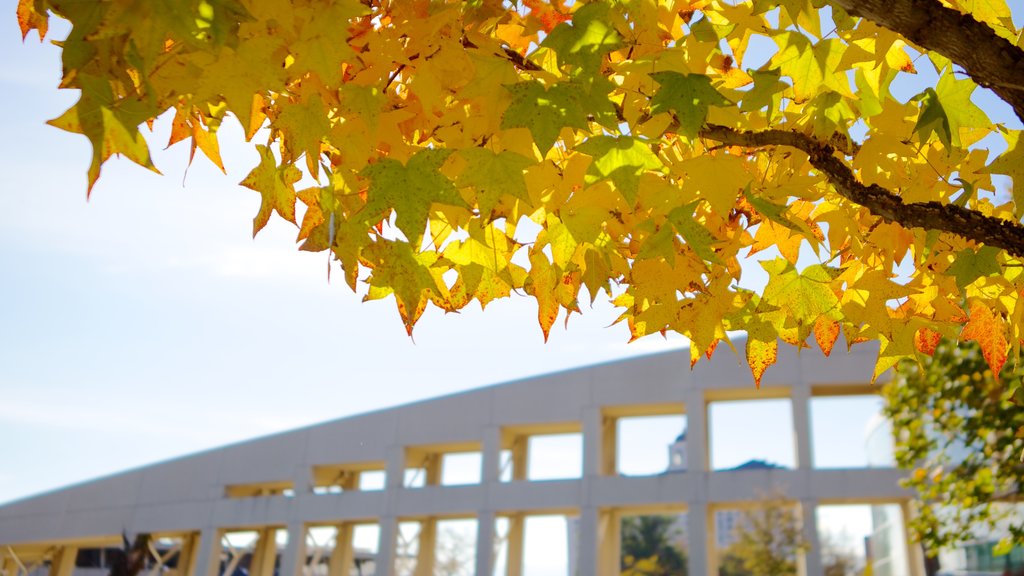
x: 146, y: 323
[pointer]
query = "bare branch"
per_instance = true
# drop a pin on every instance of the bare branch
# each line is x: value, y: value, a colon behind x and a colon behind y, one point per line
x: 965, y: 223
x: 991, y: 61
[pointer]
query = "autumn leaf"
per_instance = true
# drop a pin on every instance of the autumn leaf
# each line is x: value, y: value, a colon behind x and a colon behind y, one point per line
x: 460, y: 152
x: 988, y: 329
x: 402, y: 188
x: 276, y: 185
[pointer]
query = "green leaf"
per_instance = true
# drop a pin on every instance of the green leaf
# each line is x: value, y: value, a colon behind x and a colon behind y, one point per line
x: 810, y: 66
x: 947, y: 108
x: 767, y: 91
x: 689, y: 96
x: 695, y: 234
x: 933, y: 118
x: 804, y: 296
x: 621, y: 160
x: 586, y: 40
x: 410, y: 190
x: 777, y: 213
x: 544, y: 112
x: 970, y: 265
x: 493, y: 175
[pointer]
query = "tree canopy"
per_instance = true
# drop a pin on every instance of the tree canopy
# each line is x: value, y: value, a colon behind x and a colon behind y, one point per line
x: 959, y: 429
x: 447, y: 152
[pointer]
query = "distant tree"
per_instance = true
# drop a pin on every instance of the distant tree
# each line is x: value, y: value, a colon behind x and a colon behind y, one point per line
x: 836, y: 560
x: 648, y: 547
x: 960, y: 430
x: 768, y: 540
x: 453, y: 554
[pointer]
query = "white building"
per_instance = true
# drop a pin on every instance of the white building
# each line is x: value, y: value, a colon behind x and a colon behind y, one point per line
x: 286, y: 486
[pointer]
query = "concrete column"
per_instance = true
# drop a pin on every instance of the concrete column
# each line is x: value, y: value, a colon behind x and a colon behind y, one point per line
x: 915, y: 554
x: 207, y: 558
x: 386, y: 546
x: 343, y: 556
x: 394, y: 470
x: 609, y: 543
x: 597, y: 450
x: 589, y: 539
x: 697, y: 459
x: 699, y: 539
x: 514, y: 545
x: 810, y: 563
x: 63, y: 562
x: 264, y: 554
x: 490, y: 456
x: 426, y: 547
x: 293, y: 560
x: 485, y: 543
x: 801, y: 398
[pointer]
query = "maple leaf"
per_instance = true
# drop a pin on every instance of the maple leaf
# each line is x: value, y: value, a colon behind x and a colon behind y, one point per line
x: 689, y: 96
x: 988, y: 329
x: 31, y: 17
x: 276, y: 185
x: 1011, y: 163
x: 619, y: 159
x: 585, y: 40
x: 409, y: 190
x: 411, y: 277
x: 544, y: 112
x: 948, y: 108
x: 111, y: 124
x: 493, y: 176
x: 804, y: 296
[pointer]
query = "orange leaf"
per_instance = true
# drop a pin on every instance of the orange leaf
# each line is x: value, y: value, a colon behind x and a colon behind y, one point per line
x: 988, y: 329
x: 925, y: 340
x: 29, y: 19
x: 826, y: 331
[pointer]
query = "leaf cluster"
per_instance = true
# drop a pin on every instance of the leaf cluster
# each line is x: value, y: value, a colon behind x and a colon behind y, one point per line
x: 448, y: 152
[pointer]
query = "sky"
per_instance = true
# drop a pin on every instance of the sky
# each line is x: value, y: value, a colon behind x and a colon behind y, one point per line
x: 147, y: 323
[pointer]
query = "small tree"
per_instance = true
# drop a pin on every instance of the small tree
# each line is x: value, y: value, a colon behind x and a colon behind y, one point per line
x: 769, y: 539
x: 958, y: 428
x: 836, y: 560
x: 648, y: 548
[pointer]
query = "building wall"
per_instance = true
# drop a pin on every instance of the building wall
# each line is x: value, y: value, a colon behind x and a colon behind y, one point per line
x: 269, y: 482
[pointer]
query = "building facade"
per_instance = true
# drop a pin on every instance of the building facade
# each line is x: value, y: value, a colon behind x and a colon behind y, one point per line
x: 284, y: 488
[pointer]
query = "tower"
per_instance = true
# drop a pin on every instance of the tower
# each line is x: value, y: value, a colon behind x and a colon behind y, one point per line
x: 677, y: 454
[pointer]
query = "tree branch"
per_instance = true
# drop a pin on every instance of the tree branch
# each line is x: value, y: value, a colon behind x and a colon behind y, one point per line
x: 965, y: 223
x: 991, y: 60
